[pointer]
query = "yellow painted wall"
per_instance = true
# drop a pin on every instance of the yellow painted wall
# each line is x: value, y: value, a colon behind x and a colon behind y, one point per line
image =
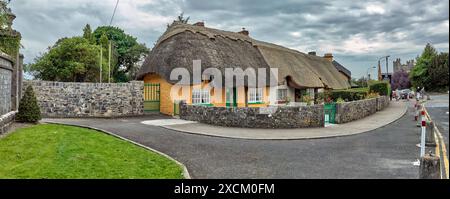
x: 166, y: 103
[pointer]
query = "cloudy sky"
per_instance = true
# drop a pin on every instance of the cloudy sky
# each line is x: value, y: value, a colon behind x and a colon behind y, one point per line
x: 356, y: 32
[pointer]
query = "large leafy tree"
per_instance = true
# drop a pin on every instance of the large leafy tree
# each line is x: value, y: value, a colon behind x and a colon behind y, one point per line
x: 127, y: 52
x: 419, y: 74
x: 70, y: 59
x: 439, y: 73
x: 431, y: 70
x: 400, y: 80
x: 87, y: 33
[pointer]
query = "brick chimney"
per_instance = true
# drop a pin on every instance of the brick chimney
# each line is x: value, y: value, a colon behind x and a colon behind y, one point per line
x: 244, y: 32
x: 200, y: 23
x: 328, y: 56
x: 312, y: 53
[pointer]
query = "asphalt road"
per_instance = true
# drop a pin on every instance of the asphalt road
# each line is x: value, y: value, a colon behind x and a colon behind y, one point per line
x: 438, y: 108
x: 387, y: 152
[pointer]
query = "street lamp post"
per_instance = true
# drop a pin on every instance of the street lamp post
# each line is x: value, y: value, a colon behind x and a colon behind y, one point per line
x: 368, y: 74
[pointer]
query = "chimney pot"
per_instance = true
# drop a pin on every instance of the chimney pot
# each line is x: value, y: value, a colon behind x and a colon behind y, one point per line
x: 200, y: 23
x: 244, y: 32
x: 328, y: 56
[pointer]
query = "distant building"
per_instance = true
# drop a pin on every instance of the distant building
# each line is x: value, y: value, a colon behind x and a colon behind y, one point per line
x: 398, y: 66
x: 387, y: 77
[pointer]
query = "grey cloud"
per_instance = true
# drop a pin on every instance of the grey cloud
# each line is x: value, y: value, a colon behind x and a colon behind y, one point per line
x: 318, y: 22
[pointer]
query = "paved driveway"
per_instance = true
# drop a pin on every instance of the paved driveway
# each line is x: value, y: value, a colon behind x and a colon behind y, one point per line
x: 387, y: 152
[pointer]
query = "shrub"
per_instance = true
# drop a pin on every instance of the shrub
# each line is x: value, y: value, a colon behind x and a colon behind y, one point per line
x: 307, y: 98
x: 372, y: 95
x: 382, y: 88
x: 340, y: 101
x: 28, y: 107
x: 349, y: 94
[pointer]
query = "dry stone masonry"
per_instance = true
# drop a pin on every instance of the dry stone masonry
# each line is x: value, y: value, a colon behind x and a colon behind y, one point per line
x: 281, y: 117
x: 355, y: 110
x: 253, y: 117
x: 75, y: 100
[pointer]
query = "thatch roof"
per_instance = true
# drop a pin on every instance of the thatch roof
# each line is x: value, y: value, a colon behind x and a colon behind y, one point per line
x: 183, y: 43
x: 342, y: 69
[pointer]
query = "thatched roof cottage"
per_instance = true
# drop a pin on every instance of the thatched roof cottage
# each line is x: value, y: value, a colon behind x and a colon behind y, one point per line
x: 299, y: 74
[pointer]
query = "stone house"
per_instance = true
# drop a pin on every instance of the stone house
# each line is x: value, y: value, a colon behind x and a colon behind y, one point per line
x: 299, y: 74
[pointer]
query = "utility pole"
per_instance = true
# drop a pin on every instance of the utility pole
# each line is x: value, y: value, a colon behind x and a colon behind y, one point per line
x: 109, y: 47
x: 109, y: 63
x: 101, y: 60
x: 387, y: 68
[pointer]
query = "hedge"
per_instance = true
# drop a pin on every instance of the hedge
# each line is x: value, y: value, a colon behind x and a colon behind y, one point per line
x: 381, y: 88
x: 347, y: 95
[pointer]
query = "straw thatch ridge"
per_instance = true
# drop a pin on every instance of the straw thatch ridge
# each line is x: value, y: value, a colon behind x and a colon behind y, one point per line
x: 183, y: 43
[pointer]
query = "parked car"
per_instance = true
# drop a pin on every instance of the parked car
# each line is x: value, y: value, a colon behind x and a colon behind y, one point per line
x: 405, y: 93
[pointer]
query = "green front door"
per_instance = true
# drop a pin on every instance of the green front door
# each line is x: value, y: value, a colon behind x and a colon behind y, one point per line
x: 231, y: 96
x: 152, y: 97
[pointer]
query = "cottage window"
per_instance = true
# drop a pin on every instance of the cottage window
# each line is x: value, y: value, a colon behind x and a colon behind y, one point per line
x: 282, y: 94
x: 255, y: 95
x: 201, y: 96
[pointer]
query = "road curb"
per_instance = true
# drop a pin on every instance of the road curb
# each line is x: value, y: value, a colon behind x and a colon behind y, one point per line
x: 404, y: 111
x: 186, y: 174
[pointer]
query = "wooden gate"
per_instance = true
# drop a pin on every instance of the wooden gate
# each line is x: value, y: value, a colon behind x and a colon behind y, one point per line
x: 152, y: 97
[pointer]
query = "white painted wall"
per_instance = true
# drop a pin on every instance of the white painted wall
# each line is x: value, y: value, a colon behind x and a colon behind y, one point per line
x: 273, y: 93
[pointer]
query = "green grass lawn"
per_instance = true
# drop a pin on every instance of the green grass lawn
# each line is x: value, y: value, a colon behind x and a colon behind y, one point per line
x: 48, y: 151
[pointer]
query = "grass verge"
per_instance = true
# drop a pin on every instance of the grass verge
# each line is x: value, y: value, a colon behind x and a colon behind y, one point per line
x: 49, y: 151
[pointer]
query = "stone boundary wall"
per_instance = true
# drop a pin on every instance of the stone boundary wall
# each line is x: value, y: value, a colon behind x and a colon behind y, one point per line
x: 6, y: 73
x: 6, y: 120
x: 281, y: 117
x: 6, y: 70
x: 83, y: 100
x: 351, y: 111
x: 253, y: 117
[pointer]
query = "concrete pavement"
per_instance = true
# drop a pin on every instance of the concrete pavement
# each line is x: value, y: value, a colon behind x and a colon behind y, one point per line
x: 387, y: 152
x: 392, y: 113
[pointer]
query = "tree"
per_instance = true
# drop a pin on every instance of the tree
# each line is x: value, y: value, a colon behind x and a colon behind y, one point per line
x: 104, y: 41
x: 127, y: 52
x: 87, y: 33
x: 70, y: 60
x: 361, y: 82
x: 419, y: 74
x: 438, y: 73
x: 431, y: 70
x: 400, y: 80
x: 28, y: 107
